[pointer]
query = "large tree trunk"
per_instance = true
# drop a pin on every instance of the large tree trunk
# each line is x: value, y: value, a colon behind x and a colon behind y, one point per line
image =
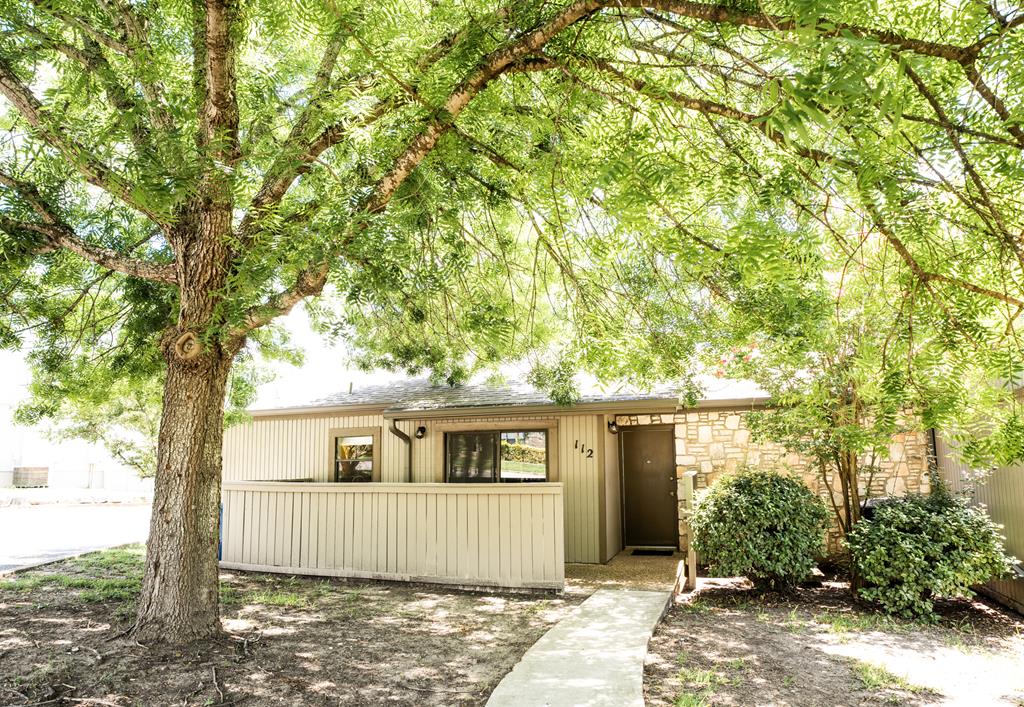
x: 179, y: 599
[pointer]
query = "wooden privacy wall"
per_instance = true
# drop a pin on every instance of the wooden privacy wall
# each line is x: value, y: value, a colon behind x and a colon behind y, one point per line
x: 508, y: 535
x: 1002, y: 494
x: 277, y: 448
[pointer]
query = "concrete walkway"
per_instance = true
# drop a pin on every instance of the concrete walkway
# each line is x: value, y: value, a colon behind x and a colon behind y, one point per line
x: 595, y: 656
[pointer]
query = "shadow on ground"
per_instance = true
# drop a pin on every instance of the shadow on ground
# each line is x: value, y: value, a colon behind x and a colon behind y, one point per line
x: 727, y: 645
x: 290, y: 641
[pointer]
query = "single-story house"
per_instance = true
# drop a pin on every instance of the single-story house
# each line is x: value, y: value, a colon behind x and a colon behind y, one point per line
x: 488, y: 485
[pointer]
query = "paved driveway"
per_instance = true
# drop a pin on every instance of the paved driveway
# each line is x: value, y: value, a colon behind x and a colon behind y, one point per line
x: 33, y: 534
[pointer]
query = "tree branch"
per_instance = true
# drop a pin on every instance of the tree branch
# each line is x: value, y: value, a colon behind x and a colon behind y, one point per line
x: 92, y: 169
x: 311, y: 281
x: 926, y: 276
x: 722, y: 14
x: 58, y: 234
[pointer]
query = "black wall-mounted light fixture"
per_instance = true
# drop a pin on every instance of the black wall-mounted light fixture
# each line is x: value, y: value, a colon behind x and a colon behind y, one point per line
x: 613, y: 426
x: 421, y: 432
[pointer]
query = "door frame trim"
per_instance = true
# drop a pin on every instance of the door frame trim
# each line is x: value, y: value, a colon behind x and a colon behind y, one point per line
x: 622, y: 483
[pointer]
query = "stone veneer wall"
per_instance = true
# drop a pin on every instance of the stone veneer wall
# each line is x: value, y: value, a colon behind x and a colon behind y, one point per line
x: 714, y: 442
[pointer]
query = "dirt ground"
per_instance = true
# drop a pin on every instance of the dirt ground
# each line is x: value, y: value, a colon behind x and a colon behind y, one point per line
x: 289, y: 641
x: 727, y: 645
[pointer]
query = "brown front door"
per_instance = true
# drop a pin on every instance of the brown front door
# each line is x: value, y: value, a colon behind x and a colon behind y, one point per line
x: 649, y: 513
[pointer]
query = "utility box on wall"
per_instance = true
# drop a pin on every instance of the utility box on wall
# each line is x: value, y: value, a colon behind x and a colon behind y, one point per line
x: 31, y: 476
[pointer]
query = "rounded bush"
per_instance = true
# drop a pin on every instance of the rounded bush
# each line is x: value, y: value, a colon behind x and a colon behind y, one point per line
x: 760, y: 524
x: 917, y: 548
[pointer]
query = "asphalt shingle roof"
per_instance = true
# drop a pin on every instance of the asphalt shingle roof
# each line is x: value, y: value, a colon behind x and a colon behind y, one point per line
x: 421, y: 394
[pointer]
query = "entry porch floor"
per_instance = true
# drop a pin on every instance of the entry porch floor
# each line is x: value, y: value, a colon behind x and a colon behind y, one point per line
x: 660, y: 573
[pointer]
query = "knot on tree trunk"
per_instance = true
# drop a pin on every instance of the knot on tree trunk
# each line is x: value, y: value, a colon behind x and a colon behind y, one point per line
x: 187, y: 346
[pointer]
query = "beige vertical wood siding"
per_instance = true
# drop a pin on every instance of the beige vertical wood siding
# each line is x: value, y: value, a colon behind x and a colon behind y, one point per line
x: 1002, y: 494
x: 282, y: 448
x: 473, y: 534
x: 613, y: 491
x: 297, y: 447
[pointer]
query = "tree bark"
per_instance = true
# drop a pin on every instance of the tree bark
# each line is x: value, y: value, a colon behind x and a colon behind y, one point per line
x: 179, y: 599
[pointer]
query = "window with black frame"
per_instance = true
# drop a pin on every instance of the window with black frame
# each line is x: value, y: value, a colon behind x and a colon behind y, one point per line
x: 501, y: 456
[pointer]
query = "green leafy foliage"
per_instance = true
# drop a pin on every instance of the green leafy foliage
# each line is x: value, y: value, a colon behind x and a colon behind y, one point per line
x: 919, y: 548
x: 760, y: 524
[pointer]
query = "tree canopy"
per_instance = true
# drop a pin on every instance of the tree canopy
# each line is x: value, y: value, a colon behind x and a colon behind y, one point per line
x: 622, y: 186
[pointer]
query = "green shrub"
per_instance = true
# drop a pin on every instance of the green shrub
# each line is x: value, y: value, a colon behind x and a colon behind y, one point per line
x: 761, y: 524
x: 917, y: 548
x: 523, y: 453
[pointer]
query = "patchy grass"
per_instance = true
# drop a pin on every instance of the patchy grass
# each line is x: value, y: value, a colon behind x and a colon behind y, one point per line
x: 288, y: 640
x: 850, y: 621
x: 875, y: 677
x: 816, y: 647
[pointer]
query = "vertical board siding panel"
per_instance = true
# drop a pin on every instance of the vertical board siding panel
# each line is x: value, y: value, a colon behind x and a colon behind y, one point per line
x: 373, y: 537
x: 357, y: 531
x: 280, y: 540
x: 311, y: 528
x: 430, y: 528
x: 348, y: 523
x: 401, y: 533
x: 461, y: 536
x: 493, y: 538
x: 275, y: 528
x: 453, y: 541
x: 393, y: 521
x: 247, y: 525
x: 259, y: 527
x: 559, y: 528
x: 543, y: 540
x: 504, y: 539
x: 472, y: 536
x: 375, y: 526
x: 515, y: 532
x: 326, y: 545
x: 337, y: 528
x: 230, y: 533
x: 270, y: 533
x: 548, y: 514
x: 527, y: 537
x: 441, y: 533
x: 421, y: 537
x: 294, y: 549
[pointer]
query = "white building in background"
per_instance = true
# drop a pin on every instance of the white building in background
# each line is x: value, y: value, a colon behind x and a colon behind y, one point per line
x: 71, y: 464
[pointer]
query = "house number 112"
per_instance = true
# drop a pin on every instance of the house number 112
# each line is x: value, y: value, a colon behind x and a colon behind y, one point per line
x: 584, y: 449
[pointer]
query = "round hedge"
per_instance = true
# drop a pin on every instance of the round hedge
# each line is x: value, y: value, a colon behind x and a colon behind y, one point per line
x: 761, y: 524
x: 917, y: 548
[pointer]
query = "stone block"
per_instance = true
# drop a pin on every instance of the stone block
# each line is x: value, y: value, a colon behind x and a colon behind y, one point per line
x: 705, y: 433
x: 687, y: 460
x: 732, y: 422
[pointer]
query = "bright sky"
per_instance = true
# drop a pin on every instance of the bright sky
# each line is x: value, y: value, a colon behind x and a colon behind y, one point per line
x: 325, y: 372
